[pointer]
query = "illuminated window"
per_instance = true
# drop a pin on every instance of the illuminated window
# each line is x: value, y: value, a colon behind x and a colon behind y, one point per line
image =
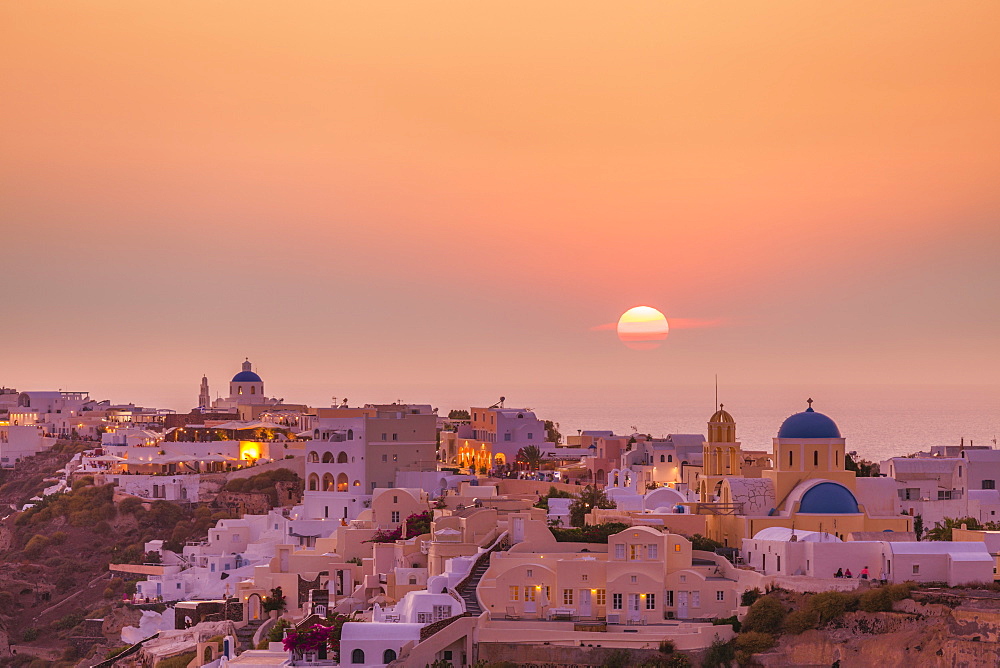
x: 529, y: 594
x: 567, y: 597
x: 514, y: 593
x: 677, y: 547
x: 633, y: 552
x: 601, y: 597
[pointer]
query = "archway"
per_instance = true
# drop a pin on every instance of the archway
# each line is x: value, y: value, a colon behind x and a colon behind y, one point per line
x: 313, y: 482
x: 327, y: 482
x: 327, y: 457
x: 342, y: 482
x: 342, y: 457
x: 254, y: 607
x: 313, y: 457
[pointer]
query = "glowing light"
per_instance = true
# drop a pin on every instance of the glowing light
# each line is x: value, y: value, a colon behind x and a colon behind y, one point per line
x: 642, y: 328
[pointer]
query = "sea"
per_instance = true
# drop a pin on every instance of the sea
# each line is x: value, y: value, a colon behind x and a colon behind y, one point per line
x: 878, y: 421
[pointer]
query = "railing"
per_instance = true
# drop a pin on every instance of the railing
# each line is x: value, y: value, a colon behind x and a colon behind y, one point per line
x: 128, y: 652
x: 501, y: 543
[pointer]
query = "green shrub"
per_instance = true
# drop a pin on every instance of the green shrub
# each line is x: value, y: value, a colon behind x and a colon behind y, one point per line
x: 619, y: 658
x: 800, y: 621
x: 36, y: 546
x: 131, y: 505
x: 730, y: 621
x: 667, y: 647
x: 830, y: 605
x: 748, y: 644
x: 898, y: 592
x: 29, y: 635
x: 85, y: 481
x: 719, y: 655
x: 179, y: 661
x: 69, y: 621
x: 58, y: 538
x: 766, y: 615
x: 750, y: 595
x: 114, y: 651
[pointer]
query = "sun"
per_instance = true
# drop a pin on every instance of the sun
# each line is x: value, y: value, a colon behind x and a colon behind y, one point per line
x: 642, y: 328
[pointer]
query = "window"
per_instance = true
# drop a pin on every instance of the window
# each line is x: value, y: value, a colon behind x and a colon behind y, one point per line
x: 944, y: 495
x: 633, y: 579
x: 651, y: 551
x: 441, y: 612
x: 677, y: 547
x: 395, y: 457
x: 584, y: 577
x: 529, y: 594
x: 601, y: 597
x: 514, y: 591
x: 619, y: 550
x: 989, y: 484
x: 720, y: 596
x: 916, y: 569
x: 959, y: 471
x: 388, y: 656
x: 385, y: 458
x: 530, y: 573
x: 424, y: 618
x: 670, y: 458
x: 663, y: 458
x: 616, y: 601
x: 696, y: 599
x: 394, y: 517
x: 815, y: 457
x: 633, y: 552
x: 395, y: 498
x: 567, y: 597
x: 789, y: 457
x: 651, y: 601
x: 395, y: 437
x: 358, y: 656
x: 670, y: 598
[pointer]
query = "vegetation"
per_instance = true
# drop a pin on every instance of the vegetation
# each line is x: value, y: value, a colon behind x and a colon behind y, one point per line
x: 862, y: 467
x: 720, y: 654
x: 416, y: 524
x: 619, y: 658
x: 594, y: 533
x: 591, y: 497
x: 460, y: 414
x: 918, y: 525
x: 276, y: 633
x: 766, y: 615
x: 943, y: 531
x: 276, y: 601
x: 699, y: 542
x: 750, y: 643
x: 728, y: 621
x: 552, y: 433
x: 263, y: 483
x: 531, y: 456
x: 318, y: 636
x: 750, y: 595
x: 553, y: 493
x: 179, y: 661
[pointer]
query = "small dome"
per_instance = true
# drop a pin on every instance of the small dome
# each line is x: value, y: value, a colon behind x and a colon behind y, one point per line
x: 808, y: 424
x: 247, y: 377
x: 722, y: 416
x: 829, y: 498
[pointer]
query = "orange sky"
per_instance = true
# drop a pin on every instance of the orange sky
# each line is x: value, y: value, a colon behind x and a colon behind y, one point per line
x: 354, y: 191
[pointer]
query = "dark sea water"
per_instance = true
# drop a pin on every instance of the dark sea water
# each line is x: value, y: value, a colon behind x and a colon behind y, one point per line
x: 877, y: 421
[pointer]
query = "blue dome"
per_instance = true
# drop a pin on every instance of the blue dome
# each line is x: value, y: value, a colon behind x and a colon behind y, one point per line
x: 829, y: 498
x: 247, y: 377
x: 808, y: 424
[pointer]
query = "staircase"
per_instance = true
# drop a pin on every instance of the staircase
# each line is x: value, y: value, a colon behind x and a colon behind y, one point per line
x: 467, y: 589
x: 244, y: 634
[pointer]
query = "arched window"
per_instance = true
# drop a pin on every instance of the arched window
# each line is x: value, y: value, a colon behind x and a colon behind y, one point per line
x: 253, y: 389
x: 357, y: 483
x: 327, y: 482
x: 313, y: 482
x: 342, y: 457
x: 313, y: 457
x: 327, y: 457
x: 670, y: 458
x: 342, y: 482
x: 239, y: 390
x: 663, y: 458
x: 388, y: 656
x: 350, y: 434
x: 358, y: 656
x: 815, y: 457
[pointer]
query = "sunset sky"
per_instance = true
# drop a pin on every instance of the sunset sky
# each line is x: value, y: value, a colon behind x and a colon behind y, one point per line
x: 466, y: 192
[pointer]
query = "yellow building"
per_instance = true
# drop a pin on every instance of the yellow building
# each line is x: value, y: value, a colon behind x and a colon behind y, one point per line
x: 808, y: 488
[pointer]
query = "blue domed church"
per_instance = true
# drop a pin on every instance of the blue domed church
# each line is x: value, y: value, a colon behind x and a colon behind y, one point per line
x: 807, y: 487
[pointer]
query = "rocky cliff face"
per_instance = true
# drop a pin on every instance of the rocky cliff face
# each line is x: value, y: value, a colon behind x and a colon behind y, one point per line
x: 929, y: 635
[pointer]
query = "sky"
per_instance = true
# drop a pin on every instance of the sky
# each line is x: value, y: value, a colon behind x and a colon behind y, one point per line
x: 468, y: 193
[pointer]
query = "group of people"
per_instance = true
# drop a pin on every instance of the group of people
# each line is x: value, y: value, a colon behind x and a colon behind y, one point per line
x: 864, y: 575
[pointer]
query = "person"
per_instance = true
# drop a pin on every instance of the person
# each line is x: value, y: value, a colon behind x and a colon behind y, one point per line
x: 882, y: 576
x: 839, y: 573
x: 847, y: 573
x: 864, y: 573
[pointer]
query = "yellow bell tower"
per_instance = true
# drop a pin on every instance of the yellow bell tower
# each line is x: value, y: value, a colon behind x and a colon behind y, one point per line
x: 720, y: 454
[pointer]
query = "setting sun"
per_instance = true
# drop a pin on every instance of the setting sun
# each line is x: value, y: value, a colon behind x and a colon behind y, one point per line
x: 642, y: 328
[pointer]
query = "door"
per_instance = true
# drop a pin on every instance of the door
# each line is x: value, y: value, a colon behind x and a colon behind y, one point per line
x: 530, y: 605
x: 585, y: 610
x: 682, y: 605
